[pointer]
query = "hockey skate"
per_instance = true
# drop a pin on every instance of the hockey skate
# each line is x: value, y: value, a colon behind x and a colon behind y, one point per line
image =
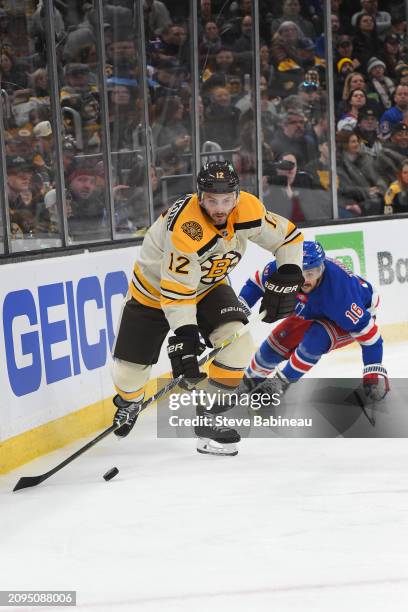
x: 127, y: 412
x: 275, y: 384
x: 214, y: 439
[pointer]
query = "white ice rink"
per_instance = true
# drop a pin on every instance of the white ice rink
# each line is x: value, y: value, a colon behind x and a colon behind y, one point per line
x: 310, y: 525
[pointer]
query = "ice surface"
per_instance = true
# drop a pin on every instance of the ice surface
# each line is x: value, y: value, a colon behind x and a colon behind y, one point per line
x: 287, y: 525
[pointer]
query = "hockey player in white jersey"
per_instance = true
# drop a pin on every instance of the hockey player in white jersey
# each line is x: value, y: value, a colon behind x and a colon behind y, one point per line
x: 179, y: 282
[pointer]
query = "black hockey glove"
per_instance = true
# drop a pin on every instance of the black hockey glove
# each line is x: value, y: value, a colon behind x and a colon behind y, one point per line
x: 281, y: 288
x: 183, y: 350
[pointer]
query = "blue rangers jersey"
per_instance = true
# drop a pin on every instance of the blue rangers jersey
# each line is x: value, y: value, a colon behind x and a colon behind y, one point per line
x: 342, y: 297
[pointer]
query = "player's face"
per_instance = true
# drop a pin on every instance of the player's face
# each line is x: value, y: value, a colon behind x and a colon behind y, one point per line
x: 312, y: 279
x: 218, y: 206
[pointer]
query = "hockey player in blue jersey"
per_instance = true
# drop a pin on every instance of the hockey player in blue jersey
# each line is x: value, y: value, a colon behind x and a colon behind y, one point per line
x: 334, y: 308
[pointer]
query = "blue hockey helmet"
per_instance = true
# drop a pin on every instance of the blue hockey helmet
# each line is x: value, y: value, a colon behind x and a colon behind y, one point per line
x: 313, y: 255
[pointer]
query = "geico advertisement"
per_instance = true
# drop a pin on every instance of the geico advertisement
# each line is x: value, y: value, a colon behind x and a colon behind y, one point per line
x: 59, y: 319
x: 59, y: 315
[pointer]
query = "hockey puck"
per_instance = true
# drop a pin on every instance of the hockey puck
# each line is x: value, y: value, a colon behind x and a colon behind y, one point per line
x: 111, y: 473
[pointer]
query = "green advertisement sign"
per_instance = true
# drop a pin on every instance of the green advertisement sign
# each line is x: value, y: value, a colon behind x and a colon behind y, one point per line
x: 347, y: 247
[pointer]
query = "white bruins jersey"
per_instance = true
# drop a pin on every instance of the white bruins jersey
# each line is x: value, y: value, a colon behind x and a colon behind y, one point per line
x: 184, y: 256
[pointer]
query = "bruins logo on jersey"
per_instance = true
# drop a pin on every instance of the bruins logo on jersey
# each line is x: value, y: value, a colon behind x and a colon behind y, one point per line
x: 193, y: 230
x: 217, y: 267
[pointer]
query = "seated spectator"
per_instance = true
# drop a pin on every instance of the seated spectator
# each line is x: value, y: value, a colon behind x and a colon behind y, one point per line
x: 358, y: 189
x: 290, y: 138
x: 174, y: 46
x: 206, y: 14
x: 170, y: 79
x: 243, y: 46
x: 392, y: 54
x: 123, y: 115
x: 44, y: 145
x: 171, y: 138
x: 291, y: 12
x: 366, y: 41
x: 382, y: 19
x: 86, y: 211
x: 288, y: 73
x: 393, y: 152
x: 78, y: 82
x: 396, y: 196
x: 222, y: 120
x: 210, y: 44
x: 353, y: 81
x: 357, y: 99
x: 38, y: 83
x: 395, y: 114
x: 12, y: 78
x: 399, y: 26
x: 344, y: 48
x: 299, y: 48
x: 344, y: 68
x: 319, y: 169
x: 401, y: 74
x: 267, y: 69
x: 289, y: 192
x: 367, y: 129
x: 28, y: 214
x: 380, y: 84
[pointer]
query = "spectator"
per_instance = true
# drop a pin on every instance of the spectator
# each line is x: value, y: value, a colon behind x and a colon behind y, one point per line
x: 356, y: 100
x: 267, y: 69
x: 291, y: 139
x: 156, y: 16
x: 13, y: 79
x: 395, y: 114
x: 296, y: 44
x: 28, y: 214
x: 123, y: 116
x: 210, y: 44
x: 86, y: 211
x: 222, y: 120
x: 380, y: 84
x: 392, y: 54
x: 344, y: 68
x: 401, y: 74
x: 45, y: 144
x: 288, y: 74
x: 344, y: 48
x: 206, y: 14
x: 171, y: 138
x: 353, y: 81
x: 358, y: 189
x: 399, y: 27
x: 392, y: 154
x: 91, y: 123
x: 366, y: 41
x: 382, y: 19
x: 78, y: 82
x: 396, y: 196
x: 174, y: 47
x: 243, y: 46
x: 290, y: 192
x: 38, y: 83
x: 368, y: 131
x: 291, y: 12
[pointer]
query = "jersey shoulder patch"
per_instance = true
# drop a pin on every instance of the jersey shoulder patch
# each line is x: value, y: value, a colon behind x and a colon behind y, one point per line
x: 191, y: 231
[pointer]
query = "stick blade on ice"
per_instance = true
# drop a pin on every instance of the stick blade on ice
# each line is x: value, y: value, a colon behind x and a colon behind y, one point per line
x: 28, y: 481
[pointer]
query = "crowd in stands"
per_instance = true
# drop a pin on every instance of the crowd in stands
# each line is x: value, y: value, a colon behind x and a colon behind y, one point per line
x: 370, y: 66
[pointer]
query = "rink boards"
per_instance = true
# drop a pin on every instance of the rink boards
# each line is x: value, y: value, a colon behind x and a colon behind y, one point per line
x: 59, y: 318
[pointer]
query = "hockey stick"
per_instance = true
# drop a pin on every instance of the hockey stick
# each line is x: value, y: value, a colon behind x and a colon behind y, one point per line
x: 360, y: 401
x: 32, y: 481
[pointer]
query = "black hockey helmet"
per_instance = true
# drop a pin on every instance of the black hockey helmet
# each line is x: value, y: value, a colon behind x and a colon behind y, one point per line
x: 217, y: 177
